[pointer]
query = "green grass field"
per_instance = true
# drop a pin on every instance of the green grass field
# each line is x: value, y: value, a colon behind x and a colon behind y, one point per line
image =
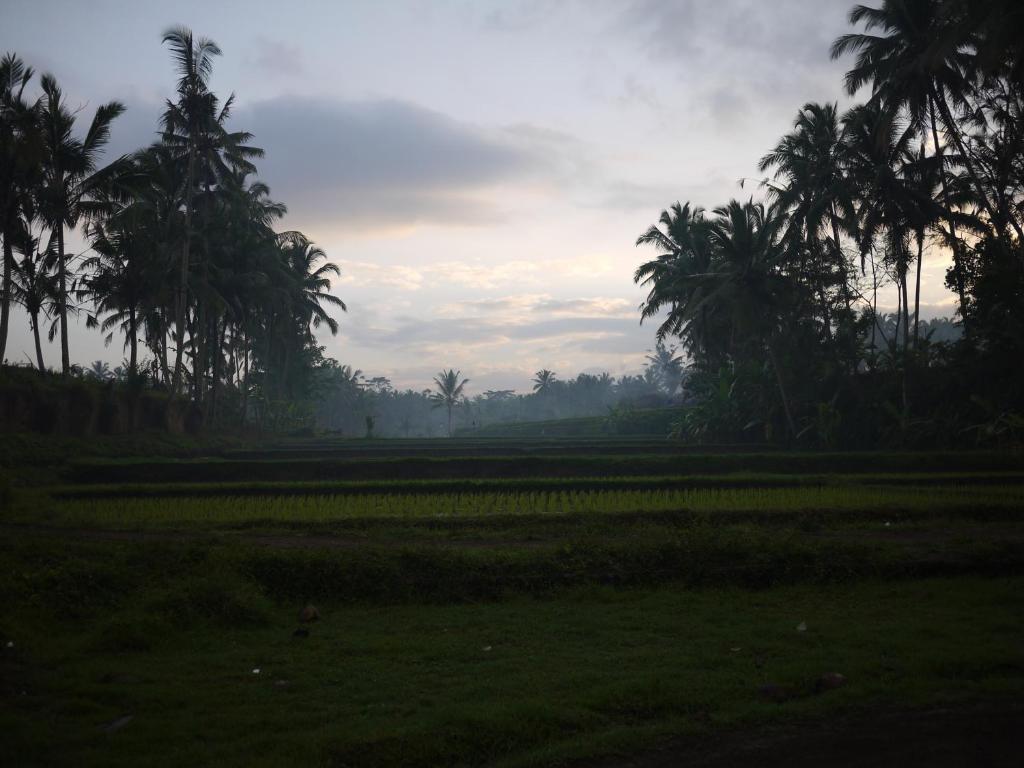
x: 621, y: 597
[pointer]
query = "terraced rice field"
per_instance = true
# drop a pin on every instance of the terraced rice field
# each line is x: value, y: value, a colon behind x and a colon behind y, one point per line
x: 497, y: 602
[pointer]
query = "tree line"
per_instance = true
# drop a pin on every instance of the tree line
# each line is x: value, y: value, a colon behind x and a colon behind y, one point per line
x: 183, y: 259
x: 776, y: 300
x: 355, y: 405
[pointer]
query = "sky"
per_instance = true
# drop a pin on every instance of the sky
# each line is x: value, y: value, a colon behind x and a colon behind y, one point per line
x: 479, y: 171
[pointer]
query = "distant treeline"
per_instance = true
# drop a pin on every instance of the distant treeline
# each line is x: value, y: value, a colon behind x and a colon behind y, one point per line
x: 347, y: 402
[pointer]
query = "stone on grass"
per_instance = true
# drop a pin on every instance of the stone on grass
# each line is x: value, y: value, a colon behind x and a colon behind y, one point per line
x: 308, y: 614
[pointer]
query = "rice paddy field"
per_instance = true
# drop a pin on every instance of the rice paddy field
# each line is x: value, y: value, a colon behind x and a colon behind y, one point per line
x: 515, y: 602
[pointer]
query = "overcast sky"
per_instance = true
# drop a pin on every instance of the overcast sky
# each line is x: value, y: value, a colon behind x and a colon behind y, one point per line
x: 478, y: 170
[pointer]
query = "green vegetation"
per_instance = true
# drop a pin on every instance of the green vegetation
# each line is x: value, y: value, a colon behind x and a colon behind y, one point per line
x: 563, y: 590
x: 301, y: 506
x: 516, y: 619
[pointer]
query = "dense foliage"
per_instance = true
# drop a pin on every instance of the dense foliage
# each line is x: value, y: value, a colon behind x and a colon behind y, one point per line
x: 184, y: 262
x: 777, y: 301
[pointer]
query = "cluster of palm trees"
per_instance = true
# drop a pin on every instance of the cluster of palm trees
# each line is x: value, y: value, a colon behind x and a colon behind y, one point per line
x: 183, y: 259
x: 934, y: 156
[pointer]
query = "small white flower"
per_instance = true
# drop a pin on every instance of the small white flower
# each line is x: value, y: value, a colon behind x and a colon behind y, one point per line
x: 10, y: 643
x: 801, y: 627
x: 486, y: 648
x: 256, y: 670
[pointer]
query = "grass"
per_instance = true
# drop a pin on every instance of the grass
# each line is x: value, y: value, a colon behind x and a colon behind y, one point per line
x: 521, y: 682
x: 127, y: 511
x: 569, y: 465
x: 533, y: 608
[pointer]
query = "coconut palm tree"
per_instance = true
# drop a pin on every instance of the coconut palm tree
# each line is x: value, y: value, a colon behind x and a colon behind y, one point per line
x: 543, y: 381
x: 681, y: 237
x: 33, y: 284
x: 186, y: 122
x: 746, y: 284
x: 922, y: 64
x: 666, y: 367
x: 70, y: 179
x: 813, y: 187
x: 19, y: 154
x: 312, y: 281
x: 448, y: 392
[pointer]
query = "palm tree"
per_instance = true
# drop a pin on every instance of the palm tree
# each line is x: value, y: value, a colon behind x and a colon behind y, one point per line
x: 19, y: 150
x: 814, y: 188
x: 33, y: 285
x: 543, y: 381
x: 681, y: 237
x: 666, y: 367
x: 186, y: 122
x: 920, y: 65
x: 746, y: 284
x: 122, y: 279
x: 448, y: 392
x: 70, y: 179
x: 100, y: 371
x: 312, y: 281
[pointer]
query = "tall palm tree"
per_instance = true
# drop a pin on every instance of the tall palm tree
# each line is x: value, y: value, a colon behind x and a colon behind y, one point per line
x: 813, y: 186
x: 19, y: 153
x: 312, y: 281
x: 122, y: 278
x: 922, y: 65
x: 71, y: 177
x: 746, y: 284
x: 185, y: 123
x: 681, y: 237
x: 543, y: 381
x: 448, y: 392
x: 33, y: 284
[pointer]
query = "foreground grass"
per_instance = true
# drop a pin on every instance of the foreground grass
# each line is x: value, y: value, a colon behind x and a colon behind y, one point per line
x: 515, y: 683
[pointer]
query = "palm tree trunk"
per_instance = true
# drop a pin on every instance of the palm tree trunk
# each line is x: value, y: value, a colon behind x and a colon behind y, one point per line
x: 917, y: 288
x: 958, y: 261
x: 782, y: 389
x: 133, y: 343
x: 5, y: 298
x: 165, y: 369
x: 906, y: 307
x: 181, y: 302
x: 39, y: 347
x: 62, y: 297
x: 449, y: 419
x: 840, y: 259
x: 245, y: 377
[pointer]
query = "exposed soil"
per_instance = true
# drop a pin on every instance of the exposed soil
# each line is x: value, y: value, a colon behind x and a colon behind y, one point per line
x: 989, y: 735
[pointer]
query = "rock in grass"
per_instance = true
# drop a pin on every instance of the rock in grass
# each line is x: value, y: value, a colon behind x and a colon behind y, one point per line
x: 301, y: 633
x: 830, y: 681
x: 308, y: 614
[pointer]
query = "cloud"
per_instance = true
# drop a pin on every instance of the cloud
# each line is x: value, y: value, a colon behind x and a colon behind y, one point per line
x: 756, y: 58
x: 519, y: 306
x: 278, y: 58
x: 369, y: 164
